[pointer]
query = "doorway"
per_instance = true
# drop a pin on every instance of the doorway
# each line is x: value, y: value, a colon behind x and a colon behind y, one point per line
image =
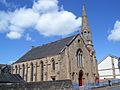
x: 80, y: 79
x: 53, y: 78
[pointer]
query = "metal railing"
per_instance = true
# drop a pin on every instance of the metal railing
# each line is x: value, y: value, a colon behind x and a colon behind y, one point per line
x: 89, y: 86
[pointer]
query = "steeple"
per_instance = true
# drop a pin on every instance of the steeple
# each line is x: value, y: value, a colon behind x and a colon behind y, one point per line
x: 83, y: 11
x: 85, y: 30
x: 84, y: 18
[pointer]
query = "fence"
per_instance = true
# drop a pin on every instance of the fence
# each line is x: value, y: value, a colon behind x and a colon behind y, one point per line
x: 90, y: 86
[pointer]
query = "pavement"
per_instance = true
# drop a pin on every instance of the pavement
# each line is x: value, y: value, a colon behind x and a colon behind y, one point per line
x: 109, y: 88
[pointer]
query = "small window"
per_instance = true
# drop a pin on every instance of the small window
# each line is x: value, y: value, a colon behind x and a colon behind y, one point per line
x: 85, y: 32
x: 73, y: 76
x: 53, y: 78
x: 78, y: 40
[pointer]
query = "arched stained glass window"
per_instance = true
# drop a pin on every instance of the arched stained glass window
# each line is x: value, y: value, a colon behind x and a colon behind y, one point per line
x: 53, y: 64
x: 79, y: 58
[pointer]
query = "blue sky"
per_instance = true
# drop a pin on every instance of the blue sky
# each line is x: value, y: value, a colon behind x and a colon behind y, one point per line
x: 26, y: 23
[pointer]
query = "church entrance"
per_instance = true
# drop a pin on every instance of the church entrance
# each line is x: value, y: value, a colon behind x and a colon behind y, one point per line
x: 80, y: 79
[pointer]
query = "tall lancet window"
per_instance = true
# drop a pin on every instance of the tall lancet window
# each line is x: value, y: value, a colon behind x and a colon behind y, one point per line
x: 42, y: 71
x: 16, y: 69
x: 79, y: 58
x: 19, y: 69
x: 23, y: 71
x: 26, y: 72
x: 32, y: 72
x: 53, y: 64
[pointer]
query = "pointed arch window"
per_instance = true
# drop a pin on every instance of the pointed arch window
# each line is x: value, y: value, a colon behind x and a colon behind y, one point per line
x: 19, y: 69
x: 23, y: 71
x: 53, y: 64
x: 32, y: 72
x: 42, y: 71
x: 79, y: 58
x: 16, y: 69
x: 26, y: 72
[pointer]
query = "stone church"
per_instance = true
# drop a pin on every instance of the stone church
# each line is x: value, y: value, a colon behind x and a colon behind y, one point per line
x: 71, y: 58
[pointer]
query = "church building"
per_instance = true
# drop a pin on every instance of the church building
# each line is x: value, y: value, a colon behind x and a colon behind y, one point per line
x: 72, y: 58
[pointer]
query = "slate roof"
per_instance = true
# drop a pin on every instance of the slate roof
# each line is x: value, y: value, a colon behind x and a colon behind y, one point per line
x: 10, y: 78
x: 49, y: 49
x: 1, y: 65
x: 5, y: 69
x: 7, y: 77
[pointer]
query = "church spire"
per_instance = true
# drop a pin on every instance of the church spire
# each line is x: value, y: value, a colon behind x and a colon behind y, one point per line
x: 86, y: 32
x: 83, y: 11
x: 84, y: 19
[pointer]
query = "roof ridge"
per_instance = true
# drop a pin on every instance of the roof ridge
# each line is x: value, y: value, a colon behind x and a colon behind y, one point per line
x: 107, y: 56
x: 113, y: 56
x: 54, y: 41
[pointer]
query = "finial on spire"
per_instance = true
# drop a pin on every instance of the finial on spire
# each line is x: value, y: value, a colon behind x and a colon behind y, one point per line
x: 84, y: 19
x: 83, y: 10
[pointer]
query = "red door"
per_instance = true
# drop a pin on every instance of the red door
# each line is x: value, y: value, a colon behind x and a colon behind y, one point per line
x: 80, y: 78
x: 80, y: 82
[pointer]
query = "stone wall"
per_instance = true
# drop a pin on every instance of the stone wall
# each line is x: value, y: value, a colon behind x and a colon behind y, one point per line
x: 47, y: 62
x: 45, y: 85
x: 72, y: 68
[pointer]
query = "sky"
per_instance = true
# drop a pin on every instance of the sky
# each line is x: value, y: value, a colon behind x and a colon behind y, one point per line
x: 27, y: 23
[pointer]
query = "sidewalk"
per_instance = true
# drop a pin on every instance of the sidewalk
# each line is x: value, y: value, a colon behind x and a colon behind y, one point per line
x: 114, y: 87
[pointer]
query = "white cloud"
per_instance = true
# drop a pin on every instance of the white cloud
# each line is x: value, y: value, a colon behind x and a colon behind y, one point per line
x: 28, y: 37
x: 24, y: 18
x: 45, y: 16
x: 4, y: 21
x: 60, y: 23
x: 14, y: 35
x: 45, y: 6
x: 115, y: 33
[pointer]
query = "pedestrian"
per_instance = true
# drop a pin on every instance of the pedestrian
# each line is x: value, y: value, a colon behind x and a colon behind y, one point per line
x: 109, y: 82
